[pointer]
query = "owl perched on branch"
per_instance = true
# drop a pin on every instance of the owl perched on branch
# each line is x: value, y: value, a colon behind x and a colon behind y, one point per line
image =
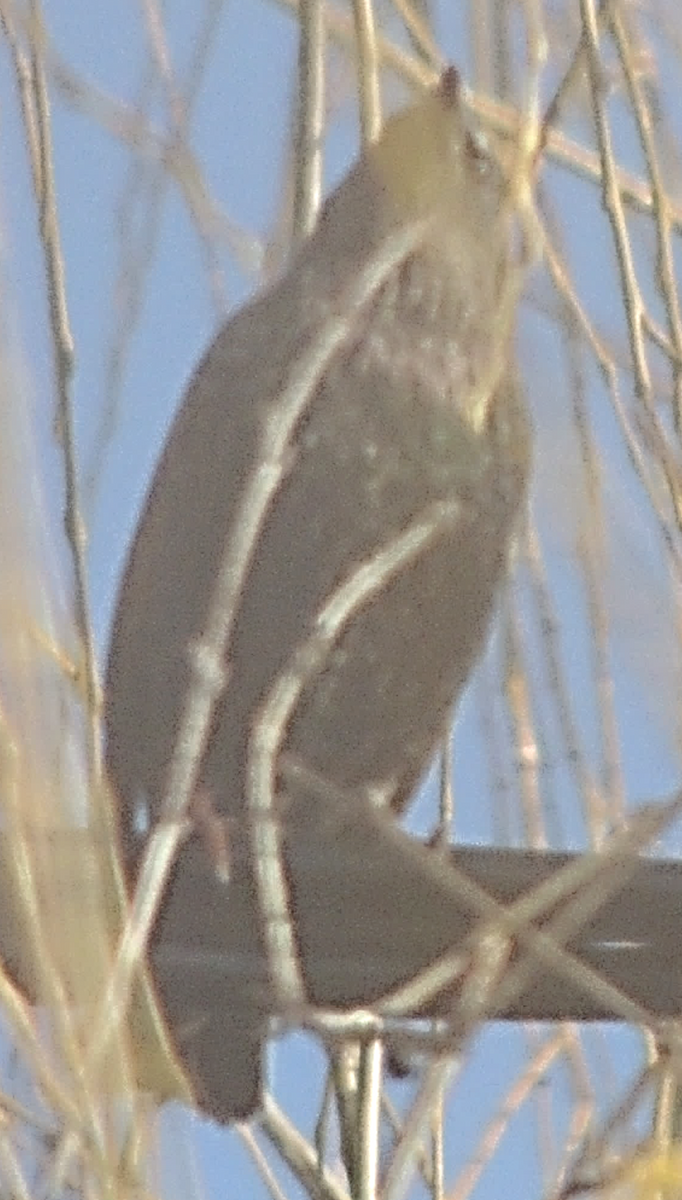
x: 387, y: 347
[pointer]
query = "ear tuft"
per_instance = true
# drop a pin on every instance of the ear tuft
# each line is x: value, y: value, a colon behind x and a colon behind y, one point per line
x: 450, y: 86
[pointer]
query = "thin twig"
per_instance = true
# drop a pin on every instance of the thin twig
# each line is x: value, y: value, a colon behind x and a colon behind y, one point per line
x: 310, y: 110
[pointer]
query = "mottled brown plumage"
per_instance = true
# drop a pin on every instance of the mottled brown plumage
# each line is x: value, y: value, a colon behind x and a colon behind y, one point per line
x: 417, y: 404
